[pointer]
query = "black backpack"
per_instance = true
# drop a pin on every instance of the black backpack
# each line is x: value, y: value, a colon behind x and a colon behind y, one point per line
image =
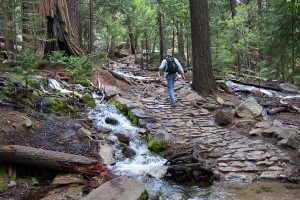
x: 171, y: 65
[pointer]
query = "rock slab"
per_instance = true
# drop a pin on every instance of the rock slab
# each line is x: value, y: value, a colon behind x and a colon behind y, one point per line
x: 118, y: 189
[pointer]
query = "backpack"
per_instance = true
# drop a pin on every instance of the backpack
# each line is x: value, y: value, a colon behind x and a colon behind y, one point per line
x: 171, y: 65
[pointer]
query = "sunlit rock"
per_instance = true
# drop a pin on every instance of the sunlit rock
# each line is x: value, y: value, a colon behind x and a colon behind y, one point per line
x: 249, y: 109
x: 120, y: 188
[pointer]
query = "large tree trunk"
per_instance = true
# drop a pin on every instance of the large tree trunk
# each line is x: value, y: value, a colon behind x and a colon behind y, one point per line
x: 8, y: 29
x: 161, y: 32
x: 180, y: 39
x: 50, y: 159
x: 62, y: 24
x: 91, y: 29
x: 203, y: 80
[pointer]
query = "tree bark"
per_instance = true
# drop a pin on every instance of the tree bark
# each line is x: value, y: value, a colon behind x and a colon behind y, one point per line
x: 51, y: 159
x: 91, y: 30
x: 203, y: 80
x: 180, y: 39
x: 62, y: 24
x: 161, y: 32
x: 7, y: 29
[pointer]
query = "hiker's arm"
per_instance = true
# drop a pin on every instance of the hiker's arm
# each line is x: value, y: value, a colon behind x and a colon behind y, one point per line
x: 162, y: 67
x: 180, y: 68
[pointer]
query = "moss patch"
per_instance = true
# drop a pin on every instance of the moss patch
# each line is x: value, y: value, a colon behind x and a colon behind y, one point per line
x: 144, y: 195
x: 134, y: 120
x: 157, y: 146
x: 89, y: 100
x: 27, y: 102
x: 118, y: 105
x: 55, y: 104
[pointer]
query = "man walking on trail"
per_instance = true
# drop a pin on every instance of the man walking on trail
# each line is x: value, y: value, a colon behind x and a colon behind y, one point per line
x: 172, y: 67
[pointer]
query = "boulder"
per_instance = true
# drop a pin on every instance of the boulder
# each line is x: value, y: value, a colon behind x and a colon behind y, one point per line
x: 249, y: 109
x: 245, y: 123
x: 119, y: 189
x: 194, y: 97
x: 289, y: 87
x: 122, y: 138
x: 223, y: 119
x: 111, y: 121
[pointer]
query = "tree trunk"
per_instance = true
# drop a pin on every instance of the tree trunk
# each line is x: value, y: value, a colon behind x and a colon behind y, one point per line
x: 293, y: 40
x: 161, y: 32
x: 8, y: 29
x: 233, y: 5
x: 203, y: 80
x: 50, y: 159
x: 188, y: 64
x: 62, y: 25
x: 173, y: 36
x: 91, y: 30
x: 180, y: 39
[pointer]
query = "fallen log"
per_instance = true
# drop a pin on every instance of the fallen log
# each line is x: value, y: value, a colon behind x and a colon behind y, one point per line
x: 51, y: 159
x: 276, y: 110
x: 120, y: 77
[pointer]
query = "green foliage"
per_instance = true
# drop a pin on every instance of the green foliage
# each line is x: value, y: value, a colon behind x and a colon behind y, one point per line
x: 297, y: 79
x: 79, y: 67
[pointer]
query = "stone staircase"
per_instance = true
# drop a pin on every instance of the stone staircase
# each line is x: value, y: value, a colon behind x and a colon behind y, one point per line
x: 235, y: 155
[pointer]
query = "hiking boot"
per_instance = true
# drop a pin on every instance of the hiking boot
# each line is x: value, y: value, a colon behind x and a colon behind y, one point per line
x: 173, y: 104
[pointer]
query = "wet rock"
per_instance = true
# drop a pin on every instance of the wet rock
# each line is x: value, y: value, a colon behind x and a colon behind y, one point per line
x: 249, y: 109
x: 223, y: 119
x: 119, y: 189
x: 122, y: 138
x: 289, y: 87
x: 111, y: 121
x: 27, y: 123
x: 127, y: 152
x: 106, y: 153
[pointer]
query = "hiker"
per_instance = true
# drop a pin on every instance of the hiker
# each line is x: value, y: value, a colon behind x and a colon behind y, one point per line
x: 172, y: 67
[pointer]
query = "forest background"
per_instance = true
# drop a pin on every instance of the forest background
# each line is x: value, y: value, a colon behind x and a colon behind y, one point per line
x: 248, y: 38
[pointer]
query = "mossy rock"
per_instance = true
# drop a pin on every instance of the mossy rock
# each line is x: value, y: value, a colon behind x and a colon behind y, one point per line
x: 144, y: 195
x: 157, y: 146
x: 89, y: 100
x: 72, y: 108
x: 55, y: 104
x: 28, y: 103
x: 134, y: 120
x: 118, y: 105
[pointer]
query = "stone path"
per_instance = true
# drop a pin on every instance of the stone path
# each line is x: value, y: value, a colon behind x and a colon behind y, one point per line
x: 236, y: 156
